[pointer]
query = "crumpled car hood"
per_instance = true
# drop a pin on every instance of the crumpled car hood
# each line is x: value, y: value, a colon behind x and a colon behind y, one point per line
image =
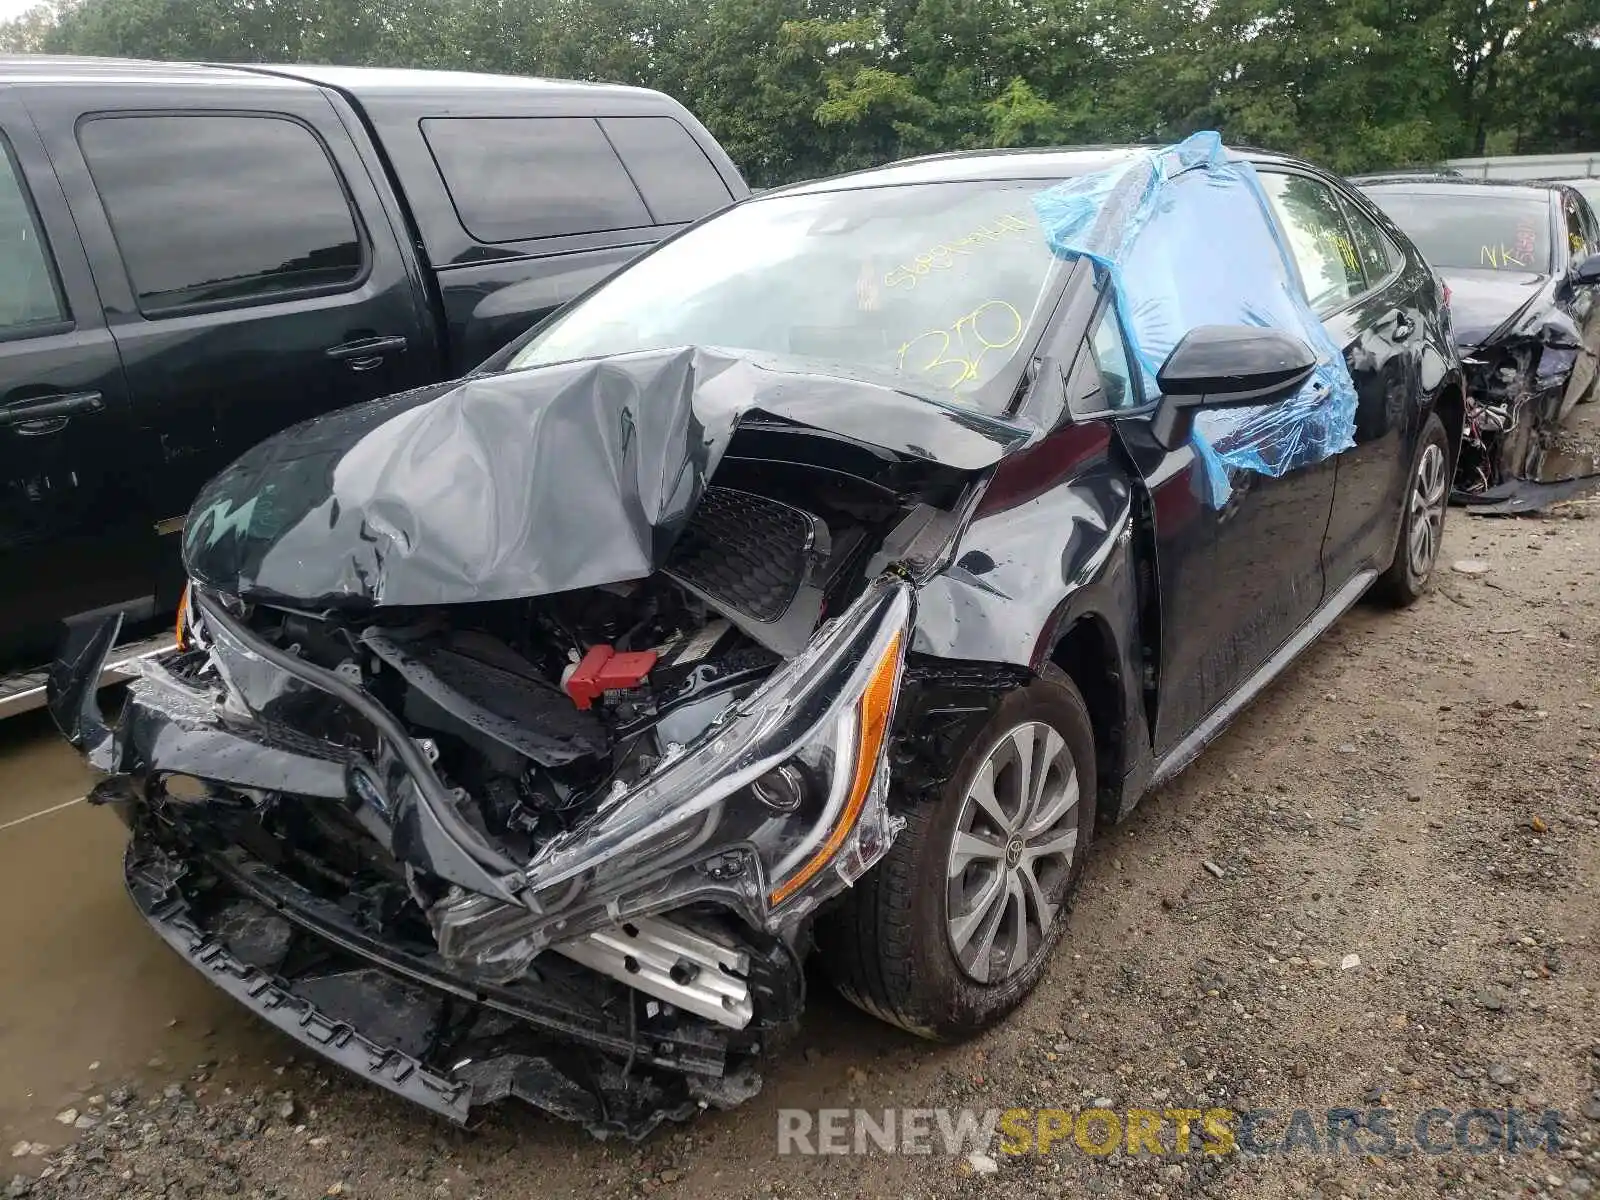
x: 1482, y: 301
x: 525, y: 483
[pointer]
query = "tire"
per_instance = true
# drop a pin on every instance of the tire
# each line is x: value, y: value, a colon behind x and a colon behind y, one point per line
x: 1426, y: 498
x: 890, y: 948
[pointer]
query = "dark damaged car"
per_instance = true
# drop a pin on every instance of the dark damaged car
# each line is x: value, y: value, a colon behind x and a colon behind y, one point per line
x: 1522, y: 261
x: 821, y: 582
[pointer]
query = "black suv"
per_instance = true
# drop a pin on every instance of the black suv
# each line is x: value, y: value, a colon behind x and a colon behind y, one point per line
x: 193, y: 257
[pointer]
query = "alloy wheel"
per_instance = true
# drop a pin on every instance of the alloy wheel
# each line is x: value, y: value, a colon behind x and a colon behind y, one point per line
x: 1011, y: 853
x: 1428, y: 496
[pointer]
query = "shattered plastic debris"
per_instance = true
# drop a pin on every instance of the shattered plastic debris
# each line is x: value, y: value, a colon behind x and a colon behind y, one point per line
x: 1213, y: 258
x: 1522, y: 497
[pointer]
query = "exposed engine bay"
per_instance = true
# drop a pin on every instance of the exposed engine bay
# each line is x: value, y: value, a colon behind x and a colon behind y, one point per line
x: 601, y: 818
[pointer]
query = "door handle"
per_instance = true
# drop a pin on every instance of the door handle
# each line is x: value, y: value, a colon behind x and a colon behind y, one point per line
x: 34, y: 415
x: 1403, y: 327
x: 367, y: 353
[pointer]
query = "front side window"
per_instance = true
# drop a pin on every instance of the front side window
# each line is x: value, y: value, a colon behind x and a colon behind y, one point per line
x: 935, y: 288
x: 1472, y: 227
x: 219, y: 210
x: 29, y: 298
x: 1577, y: 234
x: 1119, y: 386
x: 1323, y: 247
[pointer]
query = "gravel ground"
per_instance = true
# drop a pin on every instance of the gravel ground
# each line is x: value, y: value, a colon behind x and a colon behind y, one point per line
x: 1378, y: 889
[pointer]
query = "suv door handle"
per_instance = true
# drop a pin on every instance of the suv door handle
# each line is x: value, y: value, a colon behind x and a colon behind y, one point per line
x: 367, y: 353
x: 34, y: 415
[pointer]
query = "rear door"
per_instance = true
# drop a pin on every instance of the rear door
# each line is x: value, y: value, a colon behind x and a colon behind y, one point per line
x: 249, y: 275
x: 75, y: 531
x: 1371, y: 308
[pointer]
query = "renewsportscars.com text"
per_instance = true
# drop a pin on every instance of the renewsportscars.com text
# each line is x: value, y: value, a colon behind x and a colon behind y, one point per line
x: 1164, y: 1131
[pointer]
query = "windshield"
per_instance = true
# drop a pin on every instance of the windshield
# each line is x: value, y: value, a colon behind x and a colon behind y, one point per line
x: 1471, y: 228
x: 934, y: 288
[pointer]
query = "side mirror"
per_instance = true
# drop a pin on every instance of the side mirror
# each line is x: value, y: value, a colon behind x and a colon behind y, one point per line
x: 1226, y: 366
x: 1587, y: 272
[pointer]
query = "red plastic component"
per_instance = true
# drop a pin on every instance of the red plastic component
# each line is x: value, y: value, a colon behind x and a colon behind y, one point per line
x: 604, y: 670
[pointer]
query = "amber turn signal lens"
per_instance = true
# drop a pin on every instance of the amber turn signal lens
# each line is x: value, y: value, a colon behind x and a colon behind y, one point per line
x: 181, y: 630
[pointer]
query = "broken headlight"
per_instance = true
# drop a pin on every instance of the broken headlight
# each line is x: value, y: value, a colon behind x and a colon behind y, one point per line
x: 781, y: 803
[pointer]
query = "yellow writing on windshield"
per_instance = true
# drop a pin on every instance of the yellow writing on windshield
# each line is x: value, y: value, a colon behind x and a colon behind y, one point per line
x: 1499, y: 256
x: 942, y: 256
x: 957, y: 352
x: 1521, y: 252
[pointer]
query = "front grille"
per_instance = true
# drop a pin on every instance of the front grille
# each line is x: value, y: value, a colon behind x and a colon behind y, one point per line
x: 746, y: 551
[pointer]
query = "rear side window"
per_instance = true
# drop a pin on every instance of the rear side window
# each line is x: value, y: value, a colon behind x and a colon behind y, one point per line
x: 28, y: 294
x: 670, y: 169
x: 1319, y: 238
x: 219, y: 210
x: 516, y: 178
x: 1377, y: 254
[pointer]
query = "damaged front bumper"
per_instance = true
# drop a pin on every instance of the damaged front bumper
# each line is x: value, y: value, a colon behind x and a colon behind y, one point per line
x: 633, y: 970
x: 398, y: 1017
x: 1522, y: 381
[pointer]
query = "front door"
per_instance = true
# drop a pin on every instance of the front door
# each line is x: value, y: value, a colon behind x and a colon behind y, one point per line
x: 1235, y: 582
x: 75, y: 534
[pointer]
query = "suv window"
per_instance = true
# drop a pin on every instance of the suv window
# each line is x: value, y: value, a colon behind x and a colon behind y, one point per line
x: 1319, y: 238
x: 670, y: 169
x: 221, y: 210
x: 1377, y: 254
x: 28, y: 294
x: 516, y: 178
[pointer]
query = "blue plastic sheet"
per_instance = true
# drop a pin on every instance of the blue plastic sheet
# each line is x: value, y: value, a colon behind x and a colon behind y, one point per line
x: 1186, y: 238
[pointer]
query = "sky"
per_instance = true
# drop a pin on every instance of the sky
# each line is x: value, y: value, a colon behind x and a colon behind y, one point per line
x: 14, y: 8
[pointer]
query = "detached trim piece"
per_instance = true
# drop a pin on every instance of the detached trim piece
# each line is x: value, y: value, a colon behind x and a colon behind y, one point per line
x: 154, y: 890
x: 27, y: 691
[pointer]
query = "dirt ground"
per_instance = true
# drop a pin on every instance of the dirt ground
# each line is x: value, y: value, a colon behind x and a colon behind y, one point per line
x: 1420, y: 793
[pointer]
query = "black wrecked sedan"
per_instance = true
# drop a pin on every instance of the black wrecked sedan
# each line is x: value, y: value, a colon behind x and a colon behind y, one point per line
x: 819, y: 584
x: 1522, y: 261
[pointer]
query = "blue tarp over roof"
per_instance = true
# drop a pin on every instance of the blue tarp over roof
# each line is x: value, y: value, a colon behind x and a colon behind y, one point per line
x: 1187, y: 239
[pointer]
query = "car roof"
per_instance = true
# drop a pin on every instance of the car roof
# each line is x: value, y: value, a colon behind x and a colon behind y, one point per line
x: 65, y: 69
x: 1439, y: 185
x: 357, y: 81
x: 1058, y: 162
x: 386, y: 81
x: 1406, y: 175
